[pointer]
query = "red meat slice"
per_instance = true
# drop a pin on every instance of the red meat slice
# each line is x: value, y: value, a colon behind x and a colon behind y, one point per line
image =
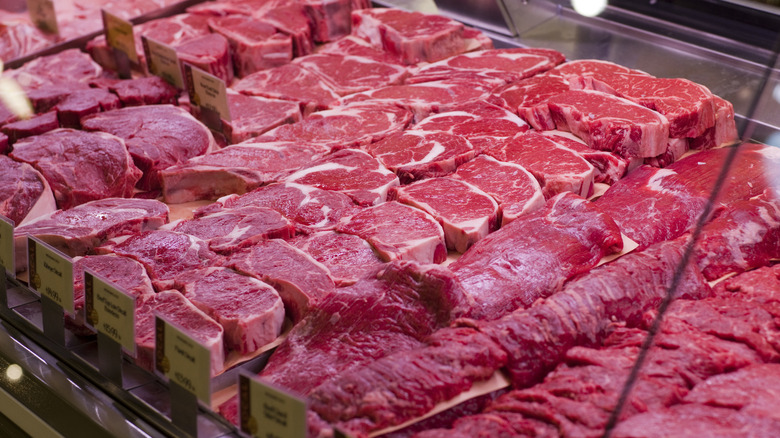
x: 289, y: 82
x: 509, y: 270
x: 250, y: 311
x: 511, y: 185
x: 227, y: 231
x: 150, y: 90
x: 751, y: 390
x: 528, y: 98
x: 235, y: 169
x: 291, y: 19
x: 254, y: 45
x: 210, y: 53
x: 349, y: 258
x: 124, y: 272
x: 352, y: 45
x: 348, y: 74
x: 415, y: 155
x: 35, y: 125
x: 608, y: 167
x: 331, y: 19
x: 82, y: 103
x: 24, y: 192
x: 466, y: 213
x: 252, y: 116
x: 724, y: 131
x: 398, y: 232
x: 557, y: 168
x: 349, y: 171
x: 71, y: 67
x: 301, y: 281
x: 80, y: 166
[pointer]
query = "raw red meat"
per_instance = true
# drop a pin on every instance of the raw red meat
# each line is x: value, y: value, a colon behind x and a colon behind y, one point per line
x: 35, y: 125
x: 352, y: 45
x: 302, y: 282
x: 598, y: 75
x: 22, y: 38
x: 4, y: 146
x: 743, y: 236
x: 724, y: 131
x: 67, y: 69
x: 252, y: 116
x: 250, y: 311
x: 608, y: 167
x: 82, y: 103
x: 331, y: 19
x: 227, y: 231
x: 349, y: 171
x: 291, y: 19
x: 528, y: 98
x: 46, y: 97
x: 124, y: 272
x: 510, y: 65
x: 311, y: 209
x: 531, y: 258
x: 759, y: 285
x: 426, y: 98
x: 347, y: 257
x: 254, y: 45
x: 415, y: 155
x: 344, y: 127
x: 289, y: 82
x: 210, y: 53
x: 403, y: 385
x: 156, y: 136
x: 149, y: 90
x: 557, y: 168
x: 752, y: 390
x: 24, y: 192
x: 413, y: 36
x: 80, y: 166
x: 235, y: 169
x: 165, y: 254
x: 348, y: 74
x: 466, y: 213
x: 607, y: 122
x: 77, y: 231
x: 398, y: 232
x: 511, y: 185
x: 176, y: 309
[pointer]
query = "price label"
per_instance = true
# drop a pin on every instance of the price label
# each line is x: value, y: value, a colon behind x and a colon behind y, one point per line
x: 182, y: 359
x: 51, y: 273
x: 110, y: 311
x: 119, y: 35
x: 270, y: 412
x: 43, y: 15
x: 163, y: 61
x: 207, y: 91
x: 7, y: 260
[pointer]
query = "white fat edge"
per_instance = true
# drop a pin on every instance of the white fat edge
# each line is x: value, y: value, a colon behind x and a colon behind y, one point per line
x: 422, y: 250
x: 171, y: 225
x: 382, y: 190
x: 436, y: 149
x: 654, y: 183
x: 44, y: 206
x: 306, y: 190
x: 324, y: 167
x: 565, y: 134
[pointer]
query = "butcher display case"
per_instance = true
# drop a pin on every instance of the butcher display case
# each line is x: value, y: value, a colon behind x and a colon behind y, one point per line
x: 55, y: 383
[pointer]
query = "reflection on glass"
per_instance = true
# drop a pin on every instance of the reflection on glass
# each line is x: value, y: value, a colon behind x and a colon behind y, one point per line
x: 589, y: 8
x: 14, y: 372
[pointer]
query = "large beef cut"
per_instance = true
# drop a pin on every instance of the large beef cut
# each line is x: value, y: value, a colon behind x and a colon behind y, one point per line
x: 557, y: 168
x: 331, y: 19
x: 289, y: 82
x: 80, y: 229
x: 176, y: 309
x: 607, y: 122
x: 415, y: 155
x: 301, y: 281
x: 310, y: 208
x: 24, y: 192
x: 527, y: 98
x: 210, y: 53
x: 347, y: 257
x: 254, y: 45
x: 349, y: 171
x: 290, y: 18
x: 466, y: 213
x: 250, y: 311
x: 71, y: 67
x: 229, y: 230
x: 35, y: 125
x: 80, y: 166
x: 165, y: 255
x: 251, y: 116
x: 156, y: 136
x: 724, y: 131
x: 235, y: 169
x: 413, y: 36
x: 393, y: 311
x: 345, y: 126
x: 398, y: 232
x: 752, y: 390
x: 510, y: 65
x: 531, y: 258
x: 347, y: 74
x: 511, y: 185
x: 149, y: 90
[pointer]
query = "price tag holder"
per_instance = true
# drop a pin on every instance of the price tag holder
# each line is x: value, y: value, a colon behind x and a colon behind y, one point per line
x: 119, y: 36
x: 267, y: 411
x: 208, y: 94
x: 163, y: 61
x: 7, y: 255
x: 51, y: 275
x: 186, y: 364
x: 43, y: 15
x: 111, y: 312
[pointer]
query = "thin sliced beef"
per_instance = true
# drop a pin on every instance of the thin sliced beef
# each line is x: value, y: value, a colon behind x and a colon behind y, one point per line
x: 398, y: 232
x: 466, y: 213
x: 531, y: 258
x: 302, y: 282
x: 347, y: 257
x: 349, y: 171
x: 235, y: 169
